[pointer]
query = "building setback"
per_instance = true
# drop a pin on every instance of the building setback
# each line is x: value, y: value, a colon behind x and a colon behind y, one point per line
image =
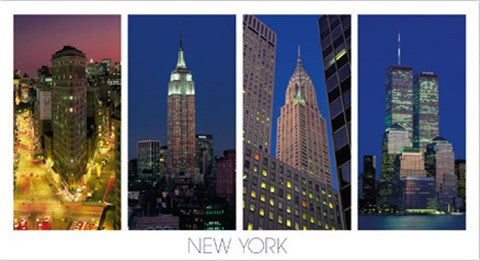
x: 181, y: 119
x: 69, y: 114
x: 302, y: 131
x: 258, y: 81
x: 335, y: 31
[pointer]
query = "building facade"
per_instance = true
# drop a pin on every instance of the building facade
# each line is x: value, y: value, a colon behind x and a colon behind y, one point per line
x: 302, y: 131
x: 418, y: 194
x: 148, y: 158
x: 369, y: 182
x: 425, y: 109
x: 335, y: 41
x: 411, y: 163
x: 258, y: 80
x: 181, y: 119
x: 441, y: 165
x: 69, y: 114
x: 280, y: 197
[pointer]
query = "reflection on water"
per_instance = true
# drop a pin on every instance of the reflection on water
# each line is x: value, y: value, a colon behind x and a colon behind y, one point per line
x: 411, y: 222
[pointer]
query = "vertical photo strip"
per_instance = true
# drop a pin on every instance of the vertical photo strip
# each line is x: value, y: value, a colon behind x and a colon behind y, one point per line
x: 181, y: 168
x: 296, y: 122
x: 67, y: 122
x: 412, y: 122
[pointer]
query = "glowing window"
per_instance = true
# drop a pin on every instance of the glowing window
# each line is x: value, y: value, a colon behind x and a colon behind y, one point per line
x: 264, y: 173
x: 250, y: 226
x: 257, y: 157
x: 272, y: 189
x: 261, y: 212
x: 289, y: 184
x: 262, y: 198
x: 253, y: 194
x: 289, y: 223
x: 272, y: 202
x: 304, y: 203
x: 264, y: 185
x: 289, y: 196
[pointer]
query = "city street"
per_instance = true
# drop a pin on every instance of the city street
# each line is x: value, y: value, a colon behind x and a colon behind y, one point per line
x: 40, y: 195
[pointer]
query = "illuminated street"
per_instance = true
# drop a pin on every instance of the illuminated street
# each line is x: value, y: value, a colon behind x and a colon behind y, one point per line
x: 42, y: 202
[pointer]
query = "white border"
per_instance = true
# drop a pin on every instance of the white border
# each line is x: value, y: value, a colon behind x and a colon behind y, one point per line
x: 308, y: 245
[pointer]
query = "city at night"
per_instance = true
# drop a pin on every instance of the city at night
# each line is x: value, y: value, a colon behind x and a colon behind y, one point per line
x: 181, y: 168
x: 296, y: 125
x: 67, y: 122
x: 411, y: 123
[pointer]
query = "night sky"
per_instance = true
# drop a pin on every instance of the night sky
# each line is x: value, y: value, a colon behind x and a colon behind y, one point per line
x: 429, y: 43
x: 37, y: 37
x: 209, y: 49
x: 293, y: 30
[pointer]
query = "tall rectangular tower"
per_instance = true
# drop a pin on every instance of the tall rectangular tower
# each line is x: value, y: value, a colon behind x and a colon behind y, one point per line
x: 69, y: 114
x: 148, y: 158
x: 425, y: 109
x: 335, y: 42
x: 258, y: 80
x: 181, y: 119
x: 398, y: 103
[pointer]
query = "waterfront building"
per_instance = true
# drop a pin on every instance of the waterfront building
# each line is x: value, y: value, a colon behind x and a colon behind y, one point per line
x: 411, y: 163
x: 399, y: 94
x: 418, y: 194
x: 441, y: 165
x: 369, y: 200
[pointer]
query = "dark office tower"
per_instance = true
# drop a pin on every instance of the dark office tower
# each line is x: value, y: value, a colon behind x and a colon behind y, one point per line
x: 302, y: 131
x: 460, y: 168
x: 335, y: 43
x: 43, y: 104
x: 258, y: 79
x: 204, y: 154
x: 441, y: 165
x: 148, y: 158
x: 425, y: 109
x: 69, y: 114
x: 369, y: 182
x: 181, y: 119
x: 225, y: 186
x: 389, y: 195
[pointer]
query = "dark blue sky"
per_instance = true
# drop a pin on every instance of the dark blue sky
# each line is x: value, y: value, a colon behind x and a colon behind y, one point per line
x: 209, y: 46
x: 429, y: 43
x: 294, y: 30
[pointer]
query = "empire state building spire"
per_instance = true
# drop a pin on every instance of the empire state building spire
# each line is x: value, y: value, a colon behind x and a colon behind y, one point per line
x: 181, y: 59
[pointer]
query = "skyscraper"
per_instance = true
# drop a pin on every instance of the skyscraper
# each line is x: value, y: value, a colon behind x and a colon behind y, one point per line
x: 441, y: 165
x: 204, y: 154
x: 258, y: 80
x: 335, y: 41
x: 398, y: 103
x: 148, y: 158
x: 369, y: 182
x: 69, y: 114
x: 181, y: 119
x: 394, y: 140
x: 425, y: 109
x: 302, y: 131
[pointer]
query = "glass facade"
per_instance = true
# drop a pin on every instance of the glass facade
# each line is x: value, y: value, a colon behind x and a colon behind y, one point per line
x: 425, y: 109
x: 398, y: 103
x: 335, y: 41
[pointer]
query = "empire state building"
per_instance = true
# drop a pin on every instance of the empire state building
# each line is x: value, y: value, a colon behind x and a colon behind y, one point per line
x: 181, y: 119
x: 302, y: 131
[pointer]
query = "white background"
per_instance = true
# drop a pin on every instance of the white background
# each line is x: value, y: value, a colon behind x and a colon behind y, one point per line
x: 301, y: 245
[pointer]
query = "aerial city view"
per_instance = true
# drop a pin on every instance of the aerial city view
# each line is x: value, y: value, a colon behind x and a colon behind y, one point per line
x: 181, y: 168
x: 412, y: 134
x: 67, y: 122
x: 296, y: 82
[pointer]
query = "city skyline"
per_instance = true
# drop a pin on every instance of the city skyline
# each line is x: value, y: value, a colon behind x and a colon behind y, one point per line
x: 419, y: 50
x: 209, y: 53
x: 74, y: 30
x: 294, y: 31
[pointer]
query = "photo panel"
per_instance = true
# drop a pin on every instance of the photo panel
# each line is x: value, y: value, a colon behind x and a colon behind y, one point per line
x: 296, y: 122
x: 181, y: 168
x: 67, y: 122
x: 412, y: 122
